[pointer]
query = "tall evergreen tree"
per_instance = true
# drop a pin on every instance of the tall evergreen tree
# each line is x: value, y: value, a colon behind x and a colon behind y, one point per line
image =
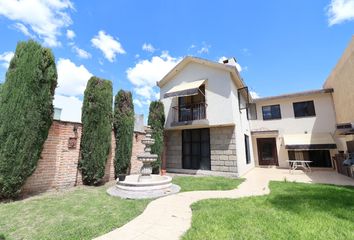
x: 96, y: 130
x: 157, y: 121
x: 26, y: 114
x: 124, y: 129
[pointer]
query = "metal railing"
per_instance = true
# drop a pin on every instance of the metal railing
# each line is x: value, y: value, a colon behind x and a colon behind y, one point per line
x: 189, y: 112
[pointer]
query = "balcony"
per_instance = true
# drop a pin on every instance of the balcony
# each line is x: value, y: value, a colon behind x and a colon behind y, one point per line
x: 186, y: 114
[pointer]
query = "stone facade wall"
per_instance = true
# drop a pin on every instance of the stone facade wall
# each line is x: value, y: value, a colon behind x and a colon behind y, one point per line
x: 223, y: 149
x: 57, y: 166
x: 174, y: 149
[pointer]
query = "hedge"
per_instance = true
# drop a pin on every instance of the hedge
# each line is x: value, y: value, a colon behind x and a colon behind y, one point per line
x: 26, y: 114
x: 96, y: 130
x: 157, y: 121
x: 124, y: 129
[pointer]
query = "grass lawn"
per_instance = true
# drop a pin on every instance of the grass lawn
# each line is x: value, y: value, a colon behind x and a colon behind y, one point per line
x: 84, y: 212
x: 291, y: 211
x: 191, y: 183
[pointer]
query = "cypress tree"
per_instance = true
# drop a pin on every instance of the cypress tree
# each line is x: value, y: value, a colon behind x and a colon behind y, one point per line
x: 26, y: 114
x: 123, y: 130
x: 157, y: 121
x: 96, y: 130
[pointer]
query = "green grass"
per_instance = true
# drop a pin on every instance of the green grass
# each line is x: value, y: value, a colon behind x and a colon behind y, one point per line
x: 291, y: 211
x: 190, y: 183
x: 83, y: 213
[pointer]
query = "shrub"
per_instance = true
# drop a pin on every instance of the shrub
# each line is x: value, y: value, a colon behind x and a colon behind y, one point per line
x: 157, y: 120
x: 96, y: 130
x: 26, y: 114
x: 123, y: 129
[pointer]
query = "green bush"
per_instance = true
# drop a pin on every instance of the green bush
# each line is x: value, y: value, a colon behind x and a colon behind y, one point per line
x: 96, y: 130
x: 157, y: 121
x: 123, y: 129
x: 26, y: 114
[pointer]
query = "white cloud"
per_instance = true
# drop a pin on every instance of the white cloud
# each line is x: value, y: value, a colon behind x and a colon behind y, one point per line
x: 70, y: 34
x: 339, y: 11
x: 5, y: 59
x: 148, y: 47
x: 138, y: 102
x: 254, y: 94
x: 204, y: 49
x: 146, y: 73
x: 22, y: 28
x: 71, y: 107
x: 108, y: 45
x: 45, y: 18
x: 72, y: 79
x: 236, y: 64
x: 81, y: 52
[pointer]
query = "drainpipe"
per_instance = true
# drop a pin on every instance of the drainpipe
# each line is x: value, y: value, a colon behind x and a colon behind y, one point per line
x: 164, y: 151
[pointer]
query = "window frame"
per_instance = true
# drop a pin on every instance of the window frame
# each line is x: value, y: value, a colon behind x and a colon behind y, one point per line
x: 304, y: 116
x: 271, y: 118
x: 247, y: 149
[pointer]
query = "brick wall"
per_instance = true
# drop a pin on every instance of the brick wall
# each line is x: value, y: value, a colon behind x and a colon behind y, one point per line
x: 57, y: 166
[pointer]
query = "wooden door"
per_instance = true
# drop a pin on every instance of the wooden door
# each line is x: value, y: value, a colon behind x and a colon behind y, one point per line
x: 267, y: 151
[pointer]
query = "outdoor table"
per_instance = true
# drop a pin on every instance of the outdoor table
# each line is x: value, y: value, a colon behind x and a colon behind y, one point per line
x: 295, y: 164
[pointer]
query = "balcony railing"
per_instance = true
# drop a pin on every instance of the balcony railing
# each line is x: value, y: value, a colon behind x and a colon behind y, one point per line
x: 189, y: 112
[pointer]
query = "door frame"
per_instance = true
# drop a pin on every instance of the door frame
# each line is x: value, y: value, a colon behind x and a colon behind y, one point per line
x: 200, y: 148
x: 274, y: 151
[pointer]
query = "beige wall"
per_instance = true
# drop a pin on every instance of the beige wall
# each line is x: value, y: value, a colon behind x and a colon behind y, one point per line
x: 218, y: 94
x: 323, y: 122
x: 341, y: 80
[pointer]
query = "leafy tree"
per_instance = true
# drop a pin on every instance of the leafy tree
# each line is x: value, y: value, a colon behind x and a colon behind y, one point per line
x: 124, y: 129
x: 157, y: 121
x: 26, y: 114
x: 96, y: 130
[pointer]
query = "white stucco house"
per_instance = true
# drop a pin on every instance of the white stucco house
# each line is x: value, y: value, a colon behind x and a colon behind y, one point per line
x: 213, y: 124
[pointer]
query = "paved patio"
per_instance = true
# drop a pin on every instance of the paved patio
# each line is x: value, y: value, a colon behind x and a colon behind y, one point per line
x: 170, y: 217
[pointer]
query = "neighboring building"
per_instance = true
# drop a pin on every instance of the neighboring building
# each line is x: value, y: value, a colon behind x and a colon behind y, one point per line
x: 341, y: 80
x: 206, y: 117
x: 298, y: 126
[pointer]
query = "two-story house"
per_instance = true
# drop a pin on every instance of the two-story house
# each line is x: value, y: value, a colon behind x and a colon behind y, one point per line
x: 297, y: 126
x: 206, y: 117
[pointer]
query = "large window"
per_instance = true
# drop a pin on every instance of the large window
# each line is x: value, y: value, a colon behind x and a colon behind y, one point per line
x: 247, y: 149
x: 304, y: 109
x: 271, y: 112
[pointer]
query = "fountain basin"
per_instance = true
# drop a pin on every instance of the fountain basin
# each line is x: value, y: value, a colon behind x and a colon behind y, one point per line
x: 132, y: 183
x: 153, y: 187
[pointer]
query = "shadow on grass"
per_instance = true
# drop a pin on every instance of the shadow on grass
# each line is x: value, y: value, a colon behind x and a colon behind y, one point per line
x: 2, y: 237
x: 301, y: 197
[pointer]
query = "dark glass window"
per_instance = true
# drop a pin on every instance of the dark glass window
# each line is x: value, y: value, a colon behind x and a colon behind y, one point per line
x: 304, y: 109
x: 247, y: 149
x: 271, y: 112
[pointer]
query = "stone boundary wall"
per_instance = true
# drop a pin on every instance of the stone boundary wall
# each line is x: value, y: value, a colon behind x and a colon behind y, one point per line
x: 57, y: 166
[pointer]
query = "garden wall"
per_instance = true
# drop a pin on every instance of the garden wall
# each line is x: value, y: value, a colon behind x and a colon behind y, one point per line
x: 57, y: 167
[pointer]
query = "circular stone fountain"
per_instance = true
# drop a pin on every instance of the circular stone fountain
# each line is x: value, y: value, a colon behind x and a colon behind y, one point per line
x: 145, y: 184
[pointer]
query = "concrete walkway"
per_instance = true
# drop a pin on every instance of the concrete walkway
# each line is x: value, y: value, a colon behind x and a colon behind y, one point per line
x: 170, y: 217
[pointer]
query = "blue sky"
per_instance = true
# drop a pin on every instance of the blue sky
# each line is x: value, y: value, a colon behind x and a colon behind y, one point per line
x: 281, y: 46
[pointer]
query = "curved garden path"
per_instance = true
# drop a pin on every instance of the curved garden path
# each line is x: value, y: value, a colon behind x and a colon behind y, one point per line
x: 170, y: 217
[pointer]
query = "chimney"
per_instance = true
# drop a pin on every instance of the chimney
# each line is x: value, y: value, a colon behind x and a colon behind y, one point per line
x: 231, y: 61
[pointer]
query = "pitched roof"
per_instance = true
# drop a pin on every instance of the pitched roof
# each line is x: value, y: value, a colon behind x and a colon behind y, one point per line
x: 189, y: 59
